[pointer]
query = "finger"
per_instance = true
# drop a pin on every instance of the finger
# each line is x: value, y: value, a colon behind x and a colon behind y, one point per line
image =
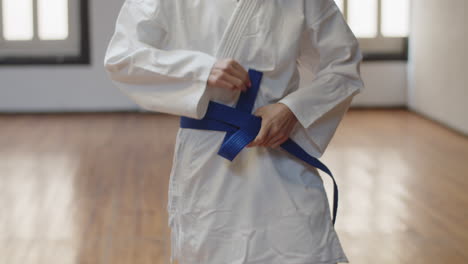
x: 258, y: 112
x: 234, y: 81
x: 243, y: 74
x: 272, y: 139
x: 239, y: 73
x: 276, y: 135
x: 224, y: 84
x: 254, y: 143
x: 261, y: 137
x: 278, y: 143
x: 265, y: 137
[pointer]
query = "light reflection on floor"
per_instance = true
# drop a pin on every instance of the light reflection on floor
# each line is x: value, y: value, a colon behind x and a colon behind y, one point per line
x: 37, y: 194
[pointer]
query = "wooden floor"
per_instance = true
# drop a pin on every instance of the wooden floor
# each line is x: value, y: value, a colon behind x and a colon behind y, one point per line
x: 92, y: 188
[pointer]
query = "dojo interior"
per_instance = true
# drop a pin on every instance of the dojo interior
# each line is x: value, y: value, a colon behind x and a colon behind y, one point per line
x: 84, y: 170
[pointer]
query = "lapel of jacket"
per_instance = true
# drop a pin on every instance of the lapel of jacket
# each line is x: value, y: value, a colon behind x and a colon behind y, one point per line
x: 232, y: 35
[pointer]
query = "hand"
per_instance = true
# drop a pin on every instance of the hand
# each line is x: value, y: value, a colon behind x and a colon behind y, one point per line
x: 229, y: 74
x: 278, y: 122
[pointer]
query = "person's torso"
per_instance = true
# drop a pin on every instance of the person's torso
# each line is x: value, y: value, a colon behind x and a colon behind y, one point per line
x: 269, y: 42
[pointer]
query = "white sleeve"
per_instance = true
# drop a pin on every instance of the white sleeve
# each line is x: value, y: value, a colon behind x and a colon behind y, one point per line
x: 141, y: 65
x: 319, y: 103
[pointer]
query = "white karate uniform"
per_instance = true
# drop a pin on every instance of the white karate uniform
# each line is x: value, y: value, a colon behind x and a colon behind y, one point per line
x: 265, y: 207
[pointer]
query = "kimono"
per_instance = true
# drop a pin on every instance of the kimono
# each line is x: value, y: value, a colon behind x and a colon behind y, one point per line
x: 264, y: 207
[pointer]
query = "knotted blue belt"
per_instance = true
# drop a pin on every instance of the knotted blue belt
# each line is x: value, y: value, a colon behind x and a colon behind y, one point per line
x: 242, y: 127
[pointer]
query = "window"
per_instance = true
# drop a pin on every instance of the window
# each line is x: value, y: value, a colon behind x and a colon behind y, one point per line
x: 44, y: 32
x: 381, y: 26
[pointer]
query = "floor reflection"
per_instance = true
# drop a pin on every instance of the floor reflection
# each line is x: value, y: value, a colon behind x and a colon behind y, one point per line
x: 37, y: 201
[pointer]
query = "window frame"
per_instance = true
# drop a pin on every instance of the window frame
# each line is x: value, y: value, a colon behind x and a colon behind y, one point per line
x: 377, y: 49
x: 80, y: 34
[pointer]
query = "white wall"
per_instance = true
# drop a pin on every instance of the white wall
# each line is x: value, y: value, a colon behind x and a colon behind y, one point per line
x: 385, y: 84
x: 86, y: 88
x: 438, y: 62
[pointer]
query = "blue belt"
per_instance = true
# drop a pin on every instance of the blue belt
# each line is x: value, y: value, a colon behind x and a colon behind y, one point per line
x: 242, y: 127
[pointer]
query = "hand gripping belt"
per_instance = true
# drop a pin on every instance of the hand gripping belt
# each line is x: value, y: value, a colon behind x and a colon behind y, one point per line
x: 242, y: 127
